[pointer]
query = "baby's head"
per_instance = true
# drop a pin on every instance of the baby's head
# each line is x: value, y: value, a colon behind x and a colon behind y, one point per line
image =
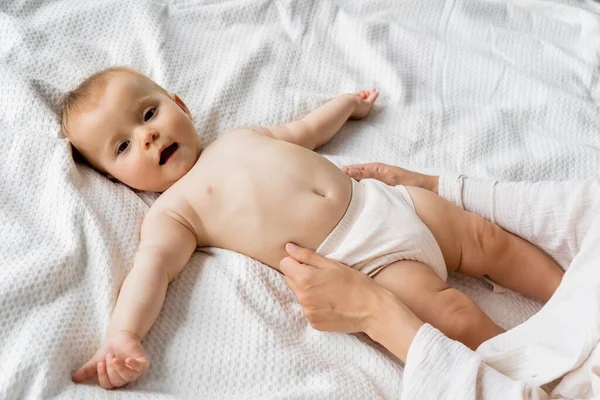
x: 130, y: 129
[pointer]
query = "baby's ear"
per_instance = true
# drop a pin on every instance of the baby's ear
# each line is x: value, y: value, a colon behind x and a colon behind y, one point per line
x: 181, y: 104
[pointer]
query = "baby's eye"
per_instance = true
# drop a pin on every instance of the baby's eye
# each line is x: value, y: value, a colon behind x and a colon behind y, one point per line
x: 149, y: 113
x: 122, y: 147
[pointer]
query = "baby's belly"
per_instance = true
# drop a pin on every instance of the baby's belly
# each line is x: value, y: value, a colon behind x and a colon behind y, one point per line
x: 302, y: 215
x: 309, y: 225
x: 253, y: 194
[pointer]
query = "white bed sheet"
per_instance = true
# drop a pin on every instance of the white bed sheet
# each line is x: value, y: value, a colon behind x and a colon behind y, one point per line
x: 495, y: 88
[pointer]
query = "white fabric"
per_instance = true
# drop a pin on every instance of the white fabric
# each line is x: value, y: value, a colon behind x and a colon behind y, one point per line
x: 494, y: 88
x: 441, y: 368
x: 564, y: 218
x: 380, y: 227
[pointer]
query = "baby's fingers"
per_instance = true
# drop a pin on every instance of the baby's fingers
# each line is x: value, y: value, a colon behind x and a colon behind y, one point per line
x: 373, y: 94
x: 103, y: 376
x: 88, y: 370
x: 139, y: 364
x: 127, y: 373
x: 114, y: 377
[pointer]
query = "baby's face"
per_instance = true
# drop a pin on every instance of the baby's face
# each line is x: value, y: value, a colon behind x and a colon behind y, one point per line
x: 137, y: 133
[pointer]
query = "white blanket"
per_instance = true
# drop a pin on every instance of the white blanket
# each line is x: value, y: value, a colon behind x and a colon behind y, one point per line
x: 495, y: 88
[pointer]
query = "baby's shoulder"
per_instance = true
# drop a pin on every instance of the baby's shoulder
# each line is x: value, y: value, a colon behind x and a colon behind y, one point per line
x: 169, y: 204
x: 170, y: 209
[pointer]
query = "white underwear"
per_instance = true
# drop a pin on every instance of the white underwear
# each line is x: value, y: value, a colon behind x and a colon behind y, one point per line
x: 380, y: 227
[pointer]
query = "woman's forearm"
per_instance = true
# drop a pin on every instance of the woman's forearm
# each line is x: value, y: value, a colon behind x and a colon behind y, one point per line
x: 392, y: 324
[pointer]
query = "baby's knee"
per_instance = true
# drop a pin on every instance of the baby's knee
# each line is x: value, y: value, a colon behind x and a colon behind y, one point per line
x: 459, y: 317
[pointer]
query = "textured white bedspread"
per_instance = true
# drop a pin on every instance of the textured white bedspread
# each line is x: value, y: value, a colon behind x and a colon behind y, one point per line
x: 494, y: 88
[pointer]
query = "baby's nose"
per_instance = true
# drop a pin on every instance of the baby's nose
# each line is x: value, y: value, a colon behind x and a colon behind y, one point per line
x: 148, y: 137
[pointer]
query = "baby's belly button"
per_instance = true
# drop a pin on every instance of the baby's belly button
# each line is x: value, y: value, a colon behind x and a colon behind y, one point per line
x: 320, y: 192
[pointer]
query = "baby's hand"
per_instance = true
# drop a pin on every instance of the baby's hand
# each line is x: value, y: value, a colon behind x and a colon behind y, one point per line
x: 120, y: 360
x: 364, y: 103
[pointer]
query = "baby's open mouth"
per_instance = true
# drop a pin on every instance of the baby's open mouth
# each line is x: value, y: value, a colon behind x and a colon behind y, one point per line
x: 167, y: 153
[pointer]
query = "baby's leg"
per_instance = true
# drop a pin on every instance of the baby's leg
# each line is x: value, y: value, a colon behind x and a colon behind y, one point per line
x: 430, y: 298
x: 476, y: 247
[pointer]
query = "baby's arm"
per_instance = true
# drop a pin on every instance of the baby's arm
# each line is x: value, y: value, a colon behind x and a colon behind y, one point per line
x: 165, y: 247
x: 318, y: 127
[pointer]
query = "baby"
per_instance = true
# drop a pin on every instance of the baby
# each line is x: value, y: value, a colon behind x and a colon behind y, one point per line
x: 254, y: 190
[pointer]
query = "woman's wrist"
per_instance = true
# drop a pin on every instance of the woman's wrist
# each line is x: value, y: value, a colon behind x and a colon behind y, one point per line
x: 430, y: 182
x: 392, y: 324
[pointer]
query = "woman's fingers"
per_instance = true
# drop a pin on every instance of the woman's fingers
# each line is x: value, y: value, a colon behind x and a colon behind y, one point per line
x: 352, y: 172
x: 289, y: 266
x: 307, y: 256
x: 296, y: 272
x: 292, y: 285
x: 355, y: 171
x: 368, y: 170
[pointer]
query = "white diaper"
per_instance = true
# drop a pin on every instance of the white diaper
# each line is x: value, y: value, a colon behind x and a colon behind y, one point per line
x: 379, y: 228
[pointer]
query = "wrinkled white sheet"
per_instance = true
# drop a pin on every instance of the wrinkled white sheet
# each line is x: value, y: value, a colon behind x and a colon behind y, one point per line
x: 503, y: 89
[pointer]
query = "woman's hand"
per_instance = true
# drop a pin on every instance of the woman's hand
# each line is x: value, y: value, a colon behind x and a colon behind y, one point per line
x: 333, y: 296
x: 337, y: 298
x: 392, y: 175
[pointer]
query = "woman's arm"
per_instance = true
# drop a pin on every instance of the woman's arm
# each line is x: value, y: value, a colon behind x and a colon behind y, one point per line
x: 438, y: 367
x: 337, y: 298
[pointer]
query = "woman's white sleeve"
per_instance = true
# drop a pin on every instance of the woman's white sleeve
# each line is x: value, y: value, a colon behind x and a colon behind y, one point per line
x: 440, y: 368
x: 554, y: 216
